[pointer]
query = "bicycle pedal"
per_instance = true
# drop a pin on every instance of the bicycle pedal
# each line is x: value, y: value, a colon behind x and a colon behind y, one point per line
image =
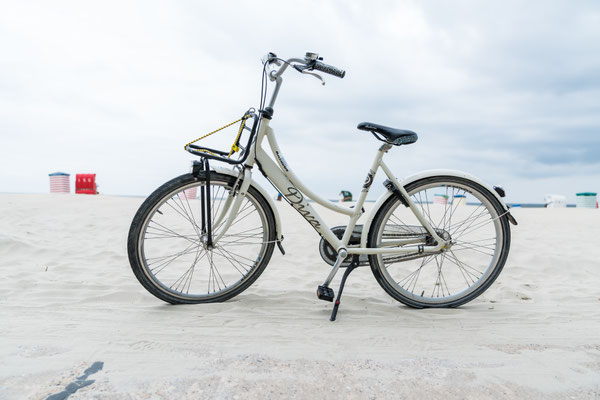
x: 325, y: 293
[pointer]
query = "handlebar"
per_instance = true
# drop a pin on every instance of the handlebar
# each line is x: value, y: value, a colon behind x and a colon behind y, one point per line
x: 329, y: 69
x: 310, y: 62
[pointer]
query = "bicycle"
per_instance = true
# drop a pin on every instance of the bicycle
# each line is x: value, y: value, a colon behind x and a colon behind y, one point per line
x: 435, y: 239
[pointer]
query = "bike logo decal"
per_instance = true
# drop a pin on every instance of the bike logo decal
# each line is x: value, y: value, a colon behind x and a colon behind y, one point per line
x: 282, y: 161
x: 369, y: 180
x: 296, y: 199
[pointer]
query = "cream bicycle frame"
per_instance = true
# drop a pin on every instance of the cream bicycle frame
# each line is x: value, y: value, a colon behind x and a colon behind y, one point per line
x: 288, y: 184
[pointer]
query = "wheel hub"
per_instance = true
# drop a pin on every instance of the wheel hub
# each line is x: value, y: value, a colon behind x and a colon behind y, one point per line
x: 204, y: 242
x: 443, y: 234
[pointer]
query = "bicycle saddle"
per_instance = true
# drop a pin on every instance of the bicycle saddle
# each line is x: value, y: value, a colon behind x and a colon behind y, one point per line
x: 389, y: 135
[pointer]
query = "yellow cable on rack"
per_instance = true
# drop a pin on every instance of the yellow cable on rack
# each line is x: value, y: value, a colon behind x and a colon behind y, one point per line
x: 234, y: 147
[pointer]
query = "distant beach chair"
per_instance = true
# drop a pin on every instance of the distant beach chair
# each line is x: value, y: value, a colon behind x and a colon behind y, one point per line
x: 555, y: 201
x: 587, y: 200
x: 59, y: 182
x: 86, y: 184
x: 346, y: 195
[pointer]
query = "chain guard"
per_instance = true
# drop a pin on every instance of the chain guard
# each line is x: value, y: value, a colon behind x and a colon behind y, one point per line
x: 329, y: 254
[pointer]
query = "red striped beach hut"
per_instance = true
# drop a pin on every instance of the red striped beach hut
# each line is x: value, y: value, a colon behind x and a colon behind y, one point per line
x: 440, y: 199
x: 59, y: 182
x: 191, y: 193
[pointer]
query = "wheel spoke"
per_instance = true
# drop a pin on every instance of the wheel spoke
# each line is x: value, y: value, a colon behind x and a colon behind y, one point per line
x: 461, y: 229
x: 233, y: 261
x: 413, y: 277
x: 180, y: 209
x: 164, y: 229
x: 163, y: 265
x: 478, y: 226
x: 238, y: 256
x: 459, y: 247
x: 466, y: 267
x: 187, y: 250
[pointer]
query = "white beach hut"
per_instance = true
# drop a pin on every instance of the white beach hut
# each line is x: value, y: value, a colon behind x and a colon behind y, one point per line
x: 586, y: 200
x: 59, y: 182
x: 459, y: 200
x: 555, y: 201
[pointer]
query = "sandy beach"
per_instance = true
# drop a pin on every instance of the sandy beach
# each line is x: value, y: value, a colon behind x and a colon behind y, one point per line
x: 69, y: 301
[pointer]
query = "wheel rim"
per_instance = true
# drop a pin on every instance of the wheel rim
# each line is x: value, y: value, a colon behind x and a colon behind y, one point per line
x: 173, y: 252
x: 472, y: 224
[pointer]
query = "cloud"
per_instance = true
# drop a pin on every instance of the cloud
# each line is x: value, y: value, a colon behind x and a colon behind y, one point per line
x: 506, y: 90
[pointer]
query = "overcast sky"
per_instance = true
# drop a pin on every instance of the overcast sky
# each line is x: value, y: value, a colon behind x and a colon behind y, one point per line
x: 508, y: 91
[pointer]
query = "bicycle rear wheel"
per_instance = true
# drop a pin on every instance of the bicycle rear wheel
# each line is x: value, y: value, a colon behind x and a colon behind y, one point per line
x: 167, y: 248
x: 459, y: 210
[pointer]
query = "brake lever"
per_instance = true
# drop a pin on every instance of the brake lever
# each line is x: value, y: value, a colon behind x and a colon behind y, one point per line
x: 319, y: 77
x: 304, y: 70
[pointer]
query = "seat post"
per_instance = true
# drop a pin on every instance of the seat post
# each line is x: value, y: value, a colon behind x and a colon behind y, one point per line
x: 385, y: 147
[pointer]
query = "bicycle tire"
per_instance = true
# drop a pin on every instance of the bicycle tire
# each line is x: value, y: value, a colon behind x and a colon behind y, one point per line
x: 400, y: 279
x: 168, y: 201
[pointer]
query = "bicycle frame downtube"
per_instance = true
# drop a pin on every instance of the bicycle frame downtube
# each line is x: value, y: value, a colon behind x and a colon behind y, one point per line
x: 225, y: 209
x: 295, y: 197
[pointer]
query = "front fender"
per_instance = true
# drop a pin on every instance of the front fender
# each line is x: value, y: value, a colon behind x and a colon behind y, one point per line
x: 426, y: 174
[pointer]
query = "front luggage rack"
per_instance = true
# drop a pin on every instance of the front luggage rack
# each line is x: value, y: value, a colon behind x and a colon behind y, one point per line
x: 225, y: 156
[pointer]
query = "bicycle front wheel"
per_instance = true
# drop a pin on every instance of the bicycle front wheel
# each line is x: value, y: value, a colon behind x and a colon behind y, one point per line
x: 459, y: 210
x: 168, y: 250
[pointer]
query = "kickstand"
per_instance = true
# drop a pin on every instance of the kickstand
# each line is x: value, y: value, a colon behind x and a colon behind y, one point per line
x: 349, y: 269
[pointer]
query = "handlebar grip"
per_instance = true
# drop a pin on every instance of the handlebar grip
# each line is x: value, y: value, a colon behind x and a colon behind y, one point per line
x: 329, y: 69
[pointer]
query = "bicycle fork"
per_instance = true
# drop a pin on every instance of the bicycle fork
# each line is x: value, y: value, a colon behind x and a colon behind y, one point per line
x: 230, y: 208
x: 205, y: 206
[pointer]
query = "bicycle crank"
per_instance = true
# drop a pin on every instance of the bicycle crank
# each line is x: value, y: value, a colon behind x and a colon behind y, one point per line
x: 329, y: 254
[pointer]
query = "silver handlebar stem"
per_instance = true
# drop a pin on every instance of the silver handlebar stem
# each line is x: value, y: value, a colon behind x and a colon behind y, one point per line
x: 275, y: 75
x: 286, y: 64
x: 278, y: 82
